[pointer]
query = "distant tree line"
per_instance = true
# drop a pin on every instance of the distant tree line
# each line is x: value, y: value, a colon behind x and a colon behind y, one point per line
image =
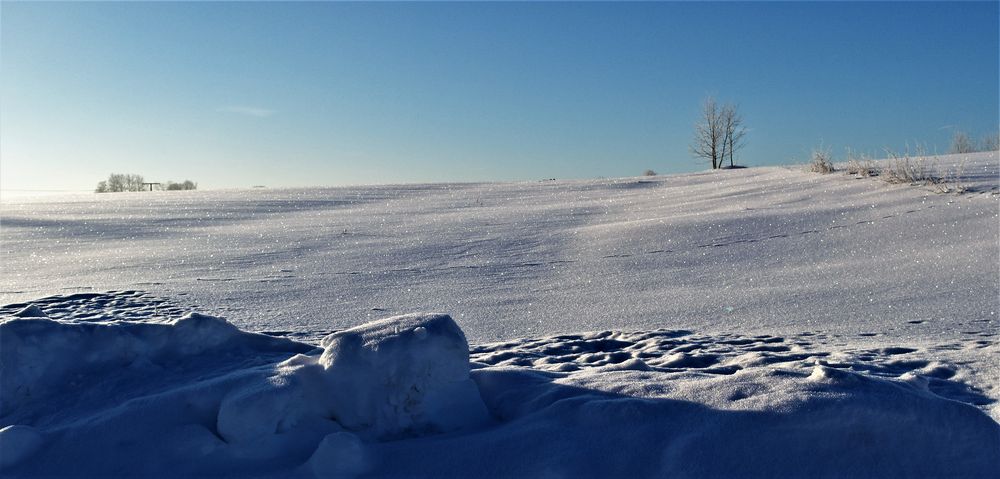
x: 118, y: 182
x: 185, y: 185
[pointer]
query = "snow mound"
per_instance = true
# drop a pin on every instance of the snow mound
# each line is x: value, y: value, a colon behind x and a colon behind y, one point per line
x: 41, y: 357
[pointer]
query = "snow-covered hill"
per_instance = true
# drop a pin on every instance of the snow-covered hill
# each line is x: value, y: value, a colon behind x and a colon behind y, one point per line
x: 763, y: 322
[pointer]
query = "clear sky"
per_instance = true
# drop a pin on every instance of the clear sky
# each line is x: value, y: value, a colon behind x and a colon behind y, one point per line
x: 300, y: 94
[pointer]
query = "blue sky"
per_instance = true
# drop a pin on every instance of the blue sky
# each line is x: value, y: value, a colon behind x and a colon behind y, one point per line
x: 301, y: 94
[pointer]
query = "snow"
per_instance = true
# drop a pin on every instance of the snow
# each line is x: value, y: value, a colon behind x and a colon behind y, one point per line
x: 30, y: 311
x: 339, y: 455
x: 397, y: 377
x: 17, y: 442
x: 763, y: 322
x: 402, y: 374
x: 761, y: 423
x: 397, y: 397
x: 738, y: 250
x: 42, y: 358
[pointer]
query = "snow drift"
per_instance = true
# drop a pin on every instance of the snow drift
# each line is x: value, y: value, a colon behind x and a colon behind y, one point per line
x: 41, y: 358
x: 399, y: 396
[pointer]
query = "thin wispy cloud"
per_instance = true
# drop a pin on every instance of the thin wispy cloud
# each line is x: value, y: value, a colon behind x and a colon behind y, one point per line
x: 253, y: 111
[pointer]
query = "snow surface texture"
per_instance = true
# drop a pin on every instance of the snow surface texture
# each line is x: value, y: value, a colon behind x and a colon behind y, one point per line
x: 396, y: 397
x: 764, y: 321
x: 775, y: 250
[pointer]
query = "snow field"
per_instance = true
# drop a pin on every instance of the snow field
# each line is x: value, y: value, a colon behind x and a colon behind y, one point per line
x: 760, y: 250
x: 763, y: 322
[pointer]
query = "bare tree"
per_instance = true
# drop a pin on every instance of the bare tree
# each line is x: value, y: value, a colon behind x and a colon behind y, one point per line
x: 134, y: 182
x: 732, y: 125
x: 961, y: 143
x: 707, y: 143
x: 116, y: 183
x: 991, y: 142
x: 718, y: 134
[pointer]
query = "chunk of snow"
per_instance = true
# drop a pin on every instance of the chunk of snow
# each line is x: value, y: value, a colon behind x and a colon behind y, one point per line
x: 402, y: 375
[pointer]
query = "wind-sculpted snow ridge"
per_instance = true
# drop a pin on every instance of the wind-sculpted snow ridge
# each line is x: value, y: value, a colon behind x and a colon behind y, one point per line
x: 193, y: 395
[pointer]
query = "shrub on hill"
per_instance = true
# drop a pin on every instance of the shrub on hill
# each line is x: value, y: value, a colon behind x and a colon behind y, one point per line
x: 822, y: 161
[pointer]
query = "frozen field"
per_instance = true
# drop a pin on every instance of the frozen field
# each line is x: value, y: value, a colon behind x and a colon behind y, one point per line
x: 762, y: 321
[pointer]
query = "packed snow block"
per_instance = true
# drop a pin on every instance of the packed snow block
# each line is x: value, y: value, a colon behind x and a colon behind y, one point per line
x: 401, y: 376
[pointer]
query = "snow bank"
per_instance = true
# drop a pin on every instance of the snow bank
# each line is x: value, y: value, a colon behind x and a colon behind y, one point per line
x: 197, y: 395
x: 396, y: 397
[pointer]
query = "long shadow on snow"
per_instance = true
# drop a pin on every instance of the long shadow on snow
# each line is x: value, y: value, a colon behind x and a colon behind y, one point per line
x: 853, y: 427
